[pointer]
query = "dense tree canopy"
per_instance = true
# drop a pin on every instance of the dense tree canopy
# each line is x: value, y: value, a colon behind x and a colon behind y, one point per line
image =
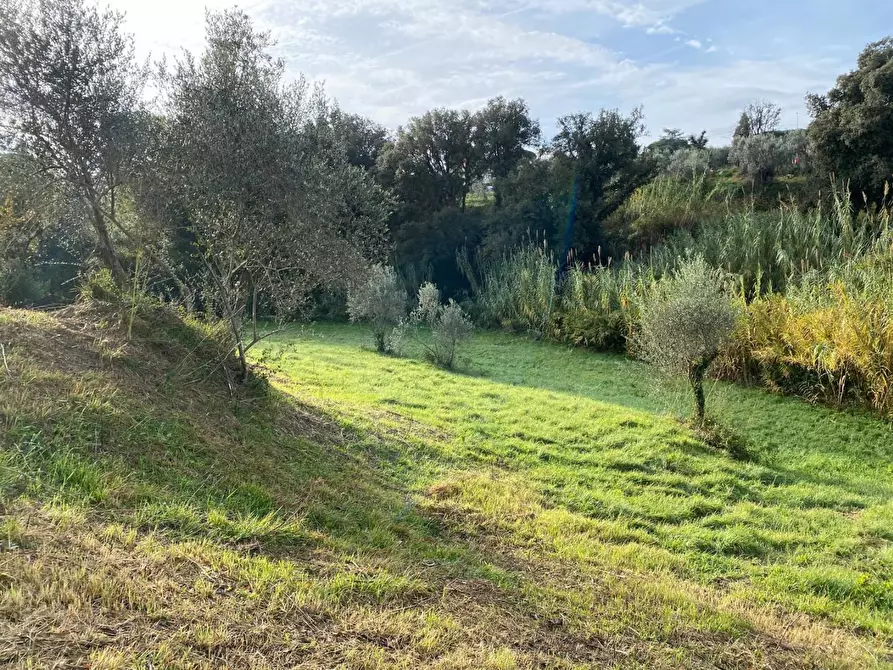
x: 70, y: 91
x: 852, y: 127
x: 600, y: 163
x: 506, y: 133
x: 434, y: 162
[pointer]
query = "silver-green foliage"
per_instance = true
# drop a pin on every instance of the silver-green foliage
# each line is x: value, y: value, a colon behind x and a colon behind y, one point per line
x: 380, y: 300
x: 765, y: 156
x: 448, y: 323
x: 688, y: 162
x: 685, y: 323
x: 70, y: 96
x: 275, y: 208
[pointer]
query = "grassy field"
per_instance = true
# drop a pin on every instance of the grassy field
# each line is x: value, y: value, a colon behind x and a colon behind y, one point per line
x: 539, y: 508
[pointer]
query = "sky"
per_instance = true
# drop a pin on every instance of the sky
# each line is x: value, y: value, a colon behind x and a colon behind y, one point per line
x: 691, y: 64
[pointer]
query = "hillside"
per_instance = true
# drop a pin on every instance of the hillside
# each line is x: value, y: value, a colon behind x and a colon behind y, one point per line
x: 538, y: 510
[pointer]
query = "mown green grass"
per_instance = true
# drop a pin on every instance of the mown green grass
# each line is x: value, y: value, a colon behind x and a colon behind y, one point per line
x: 537, y: 509
x: 803, y: 521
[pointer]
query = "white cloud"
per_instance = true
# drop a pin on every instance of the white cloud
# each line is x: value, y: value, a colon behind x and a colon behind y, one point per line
x: 390, y: 59
x: 661, y: 29
x: 642, y: 14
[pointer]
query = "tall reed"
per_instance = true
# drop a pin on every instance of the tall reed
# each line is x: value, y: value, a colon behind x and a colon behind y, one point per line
x: 816, y: 287
x: 770, y: 249
x: 516, y: 291
x: 667, y: 204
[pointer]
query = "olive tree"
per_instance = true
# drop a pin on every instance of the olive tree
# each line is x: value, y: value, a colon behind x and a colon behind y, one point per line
x: 448, y: 323
x: 70, y: 92
x: 274, y: 212
x: 769, y: 154
x: 379, y: 299
x: 685, y: 323
x: 686, y: 163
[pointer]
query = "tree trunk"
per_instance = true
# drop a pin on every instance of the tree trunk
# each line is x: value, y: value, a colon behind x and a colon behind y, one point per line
x: 240, y: 346
x: 106, y: 250
x: 254, y: 308
x: 696, y: 379
x: 243, y: 364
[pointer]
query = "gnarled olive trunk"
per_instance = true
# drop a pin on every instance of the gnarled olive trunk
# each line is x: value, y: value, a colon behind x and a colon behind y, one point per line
x: 696, y: 373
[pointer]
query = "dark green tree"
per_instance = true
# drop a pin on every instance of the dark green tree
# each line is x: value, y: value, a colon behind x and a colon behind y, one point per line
x: 671, y: 141
x: 598, y: 165
x: 698, y: 141
x: 433, y: 163
x: 743, y: 129
x: 363, y: 140
x: 852, y: 127
x: 506, y: 133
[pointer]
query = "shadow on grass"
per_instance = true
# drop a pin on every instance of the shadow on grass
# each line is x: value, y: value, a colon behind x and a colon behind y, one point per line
x: 826, y: 445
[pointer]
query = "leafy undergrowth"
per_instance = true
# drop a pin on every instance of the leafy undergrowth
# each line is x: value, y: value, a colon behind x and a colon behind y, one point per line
x: 371, y: 512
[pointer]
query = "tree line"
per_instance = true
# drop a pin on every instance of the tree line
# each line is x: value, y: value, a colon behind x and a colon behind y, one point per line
x: 244, y: 193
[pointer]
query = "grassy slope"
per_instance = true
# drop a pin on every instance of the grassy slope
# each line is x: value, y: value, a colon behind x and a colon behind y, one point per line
x: 538, y: 512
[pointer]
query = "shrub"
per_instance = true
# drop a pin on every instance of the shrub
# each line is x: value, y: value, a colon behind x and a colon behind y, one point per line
x: 598, y: 307
x: 380, y: 300
x: 830, y: 338
x: 688, y: 162
x: 19, y: 285
x: 685, y: 324
x: 449, y: 325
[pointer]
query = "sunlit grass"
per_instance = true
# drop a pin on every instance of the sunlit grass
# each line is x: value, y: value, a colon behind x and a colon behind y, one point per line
x: 799, y: 522
x: 539, y: 508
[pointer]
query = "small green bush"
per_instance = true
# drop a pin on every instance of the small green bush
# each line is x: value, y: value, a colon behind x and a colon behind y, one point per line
x: 19, y: 286
x: 380, y: 300
x: 448, y: 323
x: 99, y: 286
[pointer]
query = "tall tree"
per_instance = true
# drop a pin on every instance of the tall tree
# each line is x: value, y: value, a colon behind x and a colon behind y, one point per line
x: 852, y: 127
x: 698, y: 141
x: 69, y: 90
x: 743, y: 129
x: 758, y: 118
x: 671, y: 141
x: 602, y: 165
x: 363, y: 139
x: 274, y: 211
x: 506, y: 132
x: 434, y: 162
